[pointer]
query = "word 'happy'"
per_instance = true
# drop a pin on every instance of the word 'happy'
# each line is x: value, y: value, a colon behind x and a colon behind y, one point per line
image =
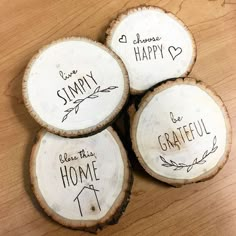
x: 153, y: 51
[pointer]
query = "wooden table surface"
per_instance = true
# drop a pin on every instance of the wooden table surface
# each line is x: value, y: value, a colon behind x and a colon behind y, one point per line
x: 207, y: 208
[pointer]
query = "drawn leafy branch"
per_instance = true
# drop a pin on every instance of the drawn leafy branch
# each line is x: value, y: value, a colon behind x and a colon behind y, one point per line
x: 94, y: 95
x: 179, y: 166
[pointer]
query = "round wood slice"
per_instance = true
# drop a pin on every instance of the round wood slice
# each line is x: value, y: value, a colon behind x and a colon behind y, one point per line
x: 75, y: 87
x: 181, y: 132
x: 82, y: 183
x: 153, y: 44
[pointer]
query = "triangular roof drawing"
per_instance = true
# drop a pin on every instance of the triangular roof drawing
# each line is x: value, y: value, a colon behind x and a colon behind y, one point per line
x: 89, y: 187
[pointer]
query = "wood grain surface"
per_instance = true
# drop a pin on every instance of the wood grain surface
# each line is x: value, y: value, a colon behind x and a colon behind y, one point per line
x: 207, y: 208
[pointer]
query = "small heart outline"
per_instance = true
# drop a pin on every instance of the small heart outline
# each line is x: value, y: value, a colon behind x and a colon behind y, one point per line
x: 123, y: 39
x: 175, y: 49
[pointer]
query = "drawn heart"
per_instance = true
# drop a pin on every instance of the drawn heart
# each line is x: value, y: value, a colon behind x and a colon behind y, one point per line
x: 123, y: 39
x: 174, y: 52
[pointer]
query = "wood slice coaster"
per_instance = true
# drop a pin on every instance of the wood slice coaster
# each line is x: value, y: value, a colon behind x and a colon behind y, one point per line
x: 154, y: 45
x: 75, y: 87
x: 181, y: 132
x: 82, y: 183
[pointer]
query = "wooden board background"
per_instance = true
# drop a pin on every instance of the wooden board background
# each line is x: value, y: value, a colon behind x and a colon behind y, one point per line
x: 207, y: 208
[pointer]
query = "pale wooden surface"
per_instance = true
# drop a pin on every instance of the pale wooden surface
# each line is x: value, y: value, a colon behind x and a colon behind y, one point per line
x: 155, y: 209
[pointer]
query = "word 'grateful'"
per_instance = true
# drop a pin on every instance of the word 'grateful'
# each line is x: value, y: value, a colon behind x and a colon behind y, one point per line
x: 183, y: 134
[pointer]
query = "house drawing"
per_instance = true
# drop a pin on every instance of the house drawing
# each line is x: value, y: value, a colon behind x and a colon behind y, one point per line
x: 83, y: 190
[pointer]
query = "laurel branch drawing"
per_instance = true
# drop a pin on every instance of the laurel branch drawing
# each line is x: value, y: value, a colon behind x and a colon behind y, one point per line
x: 94, y: 95
x: 180, y: 166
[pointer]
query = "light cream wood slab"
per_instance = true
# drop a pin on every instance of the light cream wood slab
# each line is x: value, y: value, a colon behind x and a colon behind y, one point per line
x: 181, y: 132
x: 154, y: 44
x: 75, y: 87
x: 82, y: 183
